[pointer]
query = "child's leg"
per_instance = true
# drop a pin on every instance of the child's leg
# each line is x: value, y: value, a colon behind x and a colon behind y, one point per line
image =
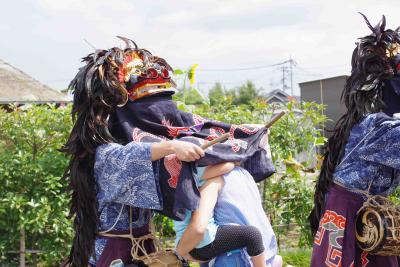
x: 231, y: 237
x: 194, y: 232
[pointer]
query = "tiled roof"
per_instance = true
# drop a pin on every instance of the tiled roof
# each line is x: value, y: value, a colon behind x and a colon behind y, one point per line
x: 18, y: 87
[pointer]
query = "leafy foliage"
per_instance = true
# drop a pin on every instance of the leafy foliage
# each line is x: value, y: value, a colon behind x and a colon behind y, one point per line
x: 245, y: 93
x: 241, y: 95
x: 33, y: 194
x: 216, y: 93
x: 298, y: 258
x: 293, y: 140
x: 191, y: 95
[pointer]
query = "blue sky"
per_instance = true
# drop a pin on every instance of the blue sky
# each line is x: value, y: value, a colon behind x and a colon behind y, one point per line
x: 44, y: 38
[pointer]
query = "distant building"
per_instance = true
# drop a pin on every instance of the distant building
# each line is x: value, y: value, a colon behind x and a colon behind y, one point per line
x: 279, y: 96
x: 327, y: 92
x: 18, y: 87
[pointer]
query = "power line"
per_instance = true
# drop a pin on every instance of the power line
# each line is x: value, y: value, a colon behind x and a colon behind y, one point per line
x: 246, y: 68
x: 290, y: 61
x: 311, y: 73
x: 288, y: 69
x: 257, y: 78
x: 283, y: 79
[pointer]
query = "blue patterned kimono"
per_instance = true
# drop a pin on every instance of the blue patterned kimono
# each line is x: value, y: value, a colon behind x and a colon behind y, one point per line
x: 125, y: 177
x: 371, y: 162
x: 374, y: 144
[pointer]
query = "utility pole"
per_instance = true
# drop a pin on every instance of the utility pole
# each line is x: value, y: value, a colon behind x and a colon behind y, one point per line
x: 283, y: 77
x: 291, y: 75
x: 283, y: 80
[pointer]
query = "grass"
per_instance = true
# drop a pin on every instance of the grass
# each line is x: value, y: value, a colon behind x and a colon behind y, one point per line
x: 296, y: 258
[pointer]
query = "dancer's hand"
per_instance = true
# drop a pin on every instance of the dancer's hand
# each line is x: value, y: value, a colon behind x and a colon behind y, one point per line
x: 186, y: 151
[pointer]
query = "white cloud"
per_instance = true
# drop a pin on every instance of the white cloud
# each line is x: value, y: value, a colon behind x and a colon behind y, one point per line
x: 319, y: 35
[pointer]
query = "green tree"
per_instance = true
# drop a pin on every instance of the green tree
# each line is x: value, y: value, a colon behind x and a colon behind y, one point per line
x: 216, y: 93
x: 193, y: 96
x: 242, y: 95
x: 33, y: 200
x: 246, y: 93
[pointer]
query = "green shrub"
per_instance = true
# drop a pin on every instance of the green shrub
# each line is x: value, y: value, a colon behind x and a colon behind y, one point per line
x: 33, y: 198
x: 297, y: 258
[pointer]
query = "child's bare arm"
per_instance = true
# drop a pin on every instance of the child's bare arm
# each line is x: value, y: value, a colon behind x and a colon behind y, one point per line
x: 212, y: 171
x: 194, y: 233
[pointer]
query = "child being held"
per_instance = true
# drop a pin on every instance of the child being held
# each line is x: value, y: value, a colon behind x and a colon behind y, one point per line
x: 200, y: 238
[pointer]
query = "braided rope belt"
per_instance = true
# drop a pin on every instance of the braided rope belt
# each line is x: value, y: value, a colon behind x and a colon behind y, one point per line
x: 159, y: 258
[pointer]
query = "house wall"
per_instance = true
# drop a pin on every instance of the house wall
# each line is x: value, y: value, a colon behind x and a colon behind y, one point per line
x: 327, y: 92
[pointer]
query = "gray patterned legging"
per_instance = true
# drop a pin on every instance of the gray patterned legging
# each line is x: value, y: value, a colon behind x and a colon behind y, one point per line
x: 231, y: 237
